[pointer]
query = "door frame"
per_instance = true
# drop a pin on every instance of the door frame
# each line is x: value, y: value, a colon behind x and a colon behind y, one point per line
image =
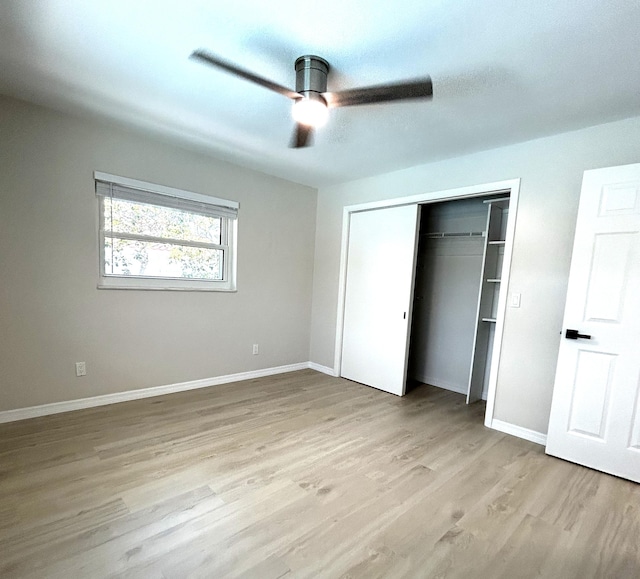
x: 510, y: 187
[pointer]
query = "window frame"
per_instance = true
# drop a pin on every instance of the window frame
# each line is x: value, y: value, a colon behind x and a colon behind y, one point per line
x: 228, y: 238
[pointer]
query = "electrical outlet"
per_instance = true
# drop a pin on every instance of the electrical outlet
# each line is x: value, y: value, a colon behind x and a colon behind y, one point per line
x: 81, y: 369
x: 256, y: 350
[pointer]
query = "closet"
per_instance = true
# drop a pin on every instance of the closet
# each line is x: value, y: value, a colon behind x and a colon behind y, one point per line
x: 459, y: 261
x: 421, y: 292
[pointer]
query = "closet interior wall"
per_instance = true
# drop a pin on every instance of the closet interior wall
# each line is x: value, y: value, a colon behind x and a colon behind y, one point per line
x: 447, y: 284
x: 448, y: 334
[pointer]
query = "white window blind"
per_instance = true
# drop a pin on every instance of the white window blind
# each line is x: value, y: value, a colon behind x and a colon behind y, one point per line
x: 140, y: 192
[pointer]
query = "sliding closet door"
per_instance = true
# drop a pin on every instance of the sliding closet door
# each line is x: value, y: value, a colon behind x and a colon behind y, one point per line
x: 379, y: 292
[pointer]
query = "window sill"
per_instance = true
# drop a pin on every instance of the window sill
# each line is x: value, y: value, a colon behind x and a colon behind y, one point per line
x: 157, y: 284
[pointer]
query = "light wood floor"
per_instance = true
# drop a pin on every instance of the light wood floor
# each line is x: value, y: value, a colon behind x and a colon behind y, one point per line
x: 302, y: 475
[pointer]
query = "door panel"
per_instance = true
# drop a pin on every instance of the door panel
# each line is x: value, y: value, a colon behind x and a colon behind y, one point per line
x: 379, y: 292
x: 590, y: 395
x: 594, y: 416
x: 607, y: 281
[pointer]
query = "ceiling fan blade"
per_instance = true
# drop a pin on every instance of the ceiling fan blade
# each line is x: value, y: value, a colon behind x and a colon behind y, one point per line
x: 208, y: 58
x: 414, y: 89
x: 302, y: 136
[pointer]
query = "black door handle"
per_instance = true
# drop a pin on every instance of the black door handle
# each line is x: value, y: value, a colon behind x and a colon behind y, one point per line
x: 574, y: 335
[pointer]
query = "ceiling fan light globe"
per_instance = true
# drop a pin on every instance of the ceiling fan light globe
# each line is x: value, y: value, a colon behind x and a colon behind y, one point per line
x: 310, y: 112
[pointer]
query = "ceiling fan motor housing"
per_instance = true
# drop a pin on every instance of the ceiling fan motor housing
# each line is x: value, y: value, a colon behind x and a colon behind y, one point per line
x: 311, y: 76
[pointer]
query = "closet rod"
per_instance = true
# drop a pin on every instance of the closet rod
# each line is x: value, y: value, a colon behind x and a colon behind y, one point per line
x: 441, y: 234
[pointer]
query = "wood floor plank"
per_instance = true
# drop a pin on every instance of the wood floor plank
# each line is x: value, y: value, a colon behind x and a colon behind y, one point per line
x: 105, y: 544
x: 612, y: 516
x: 536, y: 547
x: 302, y: 475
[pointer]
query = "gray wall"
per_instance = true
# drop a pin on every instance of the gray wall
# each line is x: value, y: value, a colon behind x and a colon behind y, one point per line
x: 52, y: 315
x: 447, y: 284
x: 551, y: 172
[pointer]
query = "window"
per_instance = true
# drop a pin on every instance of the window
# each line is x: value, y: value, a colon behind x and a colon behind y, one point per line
x: 156, y: 237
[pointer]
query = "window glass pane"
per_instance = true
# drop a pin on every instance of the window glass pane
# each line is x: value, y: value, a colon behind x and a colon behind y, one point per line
x: 141, y: 219
x: 149, y: 259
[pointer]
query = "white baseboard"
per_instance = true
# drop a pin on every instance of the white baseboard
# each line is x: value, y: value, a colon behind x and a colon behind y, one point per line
x: 519, y: 431
x: 323, y: 369
x: 57, y: 407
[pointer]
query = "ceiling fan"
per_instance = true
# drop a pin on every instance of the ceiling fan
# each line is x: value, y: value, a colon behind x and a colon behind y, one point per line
x: 311, y: 99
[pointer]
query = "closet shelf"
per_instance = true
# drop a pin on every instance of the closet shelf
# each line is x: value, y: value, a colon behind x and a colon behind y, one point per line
x: 498, y: 201
x: 441, y: 234
x: 490, y: 320
x: 493, y: 280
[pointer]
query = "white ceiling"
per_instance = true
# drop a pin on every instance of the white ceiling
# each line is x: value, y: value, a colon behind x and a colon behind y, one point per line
x: 503, y: 71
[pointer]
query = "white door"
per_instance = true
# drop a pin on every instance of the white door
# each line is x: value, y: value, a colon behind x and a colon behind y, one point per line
x: 379, y: 292
x: 595, y: 414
